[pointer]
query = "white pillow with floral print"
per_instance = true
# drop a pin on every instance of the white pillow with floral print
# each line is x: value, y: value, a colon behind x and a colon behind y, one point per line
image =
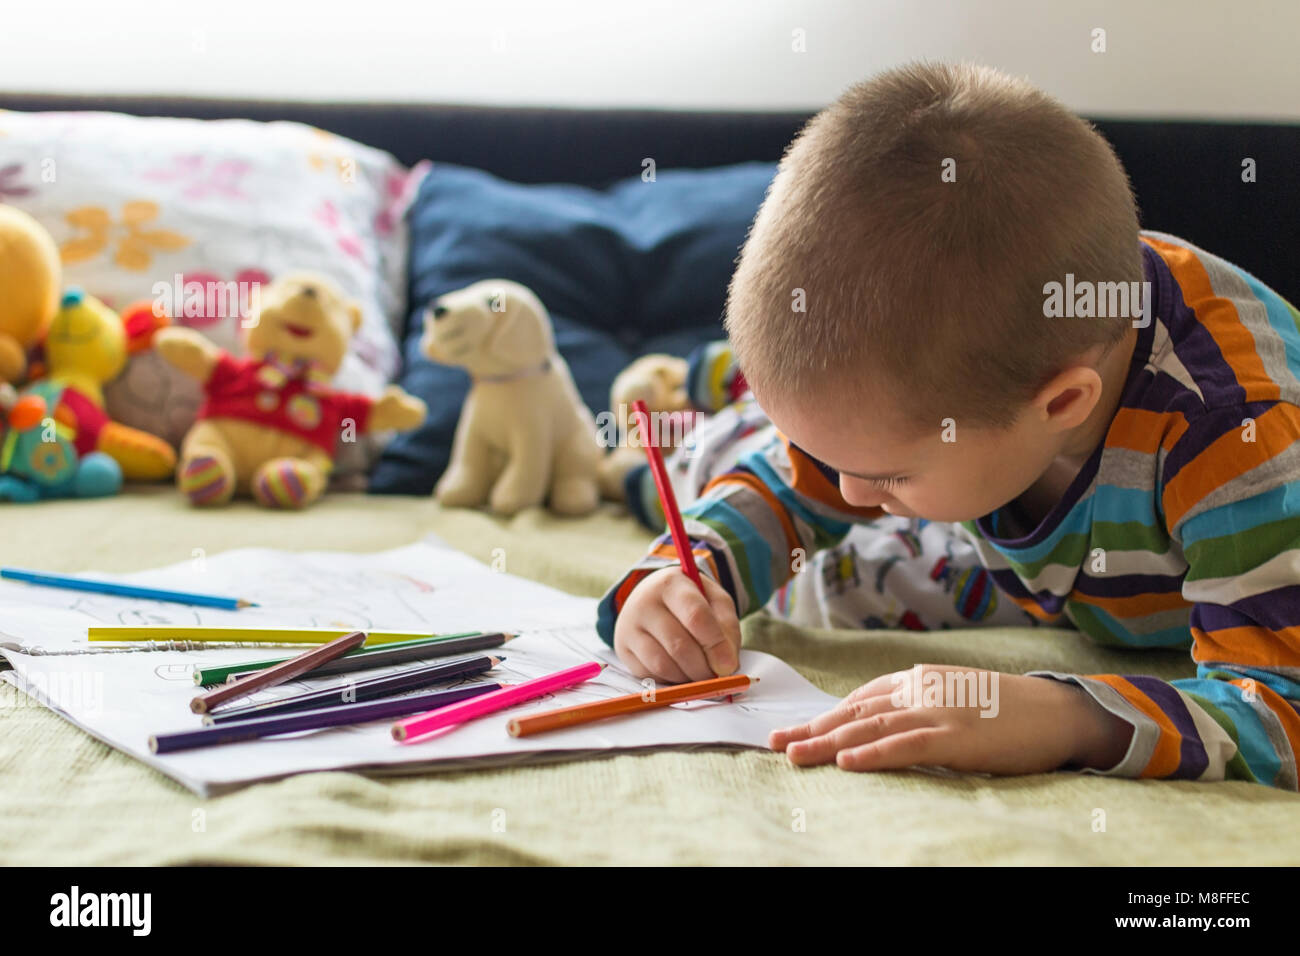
x: 194, y: 212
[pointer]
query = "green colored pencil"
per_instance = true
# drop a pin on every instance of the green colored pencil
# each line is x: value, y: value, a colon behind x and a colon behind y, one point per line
x: 367, y: 657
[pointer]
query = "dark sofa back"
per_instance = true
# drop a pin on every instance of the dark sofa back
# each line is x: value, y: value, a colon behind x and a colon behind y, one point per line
x: 1187, y: 175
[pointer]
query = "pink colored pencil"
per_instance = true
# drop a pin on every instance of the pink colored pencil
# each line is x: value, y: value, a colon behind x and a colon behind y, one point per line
x: 462, y: 711
x: 666, y: 497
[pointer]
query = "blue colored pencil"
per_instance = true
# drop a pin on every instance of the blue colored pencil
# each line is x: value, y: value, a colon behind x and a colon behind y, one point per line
x: 338, y: 716
x: 73, y: 583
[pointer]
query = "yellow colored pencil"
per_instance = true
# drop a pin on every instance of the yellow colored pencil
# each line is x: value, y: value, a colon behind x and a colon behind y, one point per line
x: 253, y: 635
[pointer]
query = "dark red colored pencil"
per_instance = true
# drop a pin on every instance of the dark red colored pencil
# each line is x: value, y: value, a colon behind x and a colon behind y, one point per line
x: 666, y: 497
x: 280, y: 673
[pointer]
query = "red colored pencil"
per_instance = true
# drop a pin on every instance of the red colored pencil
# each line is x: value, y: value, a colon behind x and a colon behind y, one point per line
x: 666, y: 497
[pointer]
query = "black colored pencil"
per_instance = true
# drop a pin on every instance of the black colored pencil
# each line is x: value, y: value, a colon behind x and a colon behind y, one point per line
x: 384, y: 656
x: 351, y: 692
x: 279, y: 674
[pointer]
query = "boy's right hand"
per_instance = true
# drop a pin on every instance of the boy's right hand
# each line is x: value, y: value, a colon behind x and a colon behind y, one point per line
x: 669, y: 631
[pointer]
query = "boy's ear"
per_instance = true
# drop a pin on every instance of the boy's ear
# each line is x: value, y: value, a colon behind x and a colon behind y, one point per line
x: 1069, y: 398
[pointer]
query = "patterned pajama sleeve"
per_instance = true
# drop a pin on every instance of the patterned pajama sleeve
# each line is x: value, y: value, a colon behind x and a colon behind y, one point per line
x: 751, y: 528
x: 1230, y: 497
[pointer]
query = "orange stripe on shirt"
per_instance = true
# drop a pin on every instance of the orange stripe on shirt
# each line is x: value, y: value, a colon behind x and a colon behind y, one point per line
x: 1136, y: 605
x: 1138, y: 429
x: 1167, y: 754
x: 1220, y: 318
x: 1229, y: 457
x: 1249, y: 645
x: 759, y: 487
x: 1036, y: 609
x: 664, y: 550
x: 810, y: 481
x: 668, y: 550
x: 631, y: 581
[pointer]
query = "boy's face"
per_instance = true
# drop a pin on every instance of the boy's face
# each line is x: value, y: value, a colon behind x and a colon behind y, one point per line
x: 948, y: 473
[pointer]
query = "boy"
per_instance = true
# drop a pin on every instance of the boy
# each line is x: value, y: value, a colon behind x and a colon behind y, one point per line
x: 929, y: 310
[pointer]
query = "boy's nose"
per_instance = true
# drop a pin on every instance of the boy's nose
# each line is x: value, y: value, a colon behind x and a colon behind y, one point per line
x: 861, y: 494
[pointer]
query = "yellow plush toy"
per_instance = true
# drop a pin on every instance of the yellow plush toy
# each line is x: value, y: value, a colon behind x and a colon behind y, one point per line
x: 270, y: 423
x: 30, y: 277
x: 85, y: 347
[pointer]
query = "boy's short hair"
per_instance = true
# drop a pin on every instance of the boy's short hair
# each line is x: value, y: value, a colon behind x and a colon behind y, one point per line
x: 904, y: 246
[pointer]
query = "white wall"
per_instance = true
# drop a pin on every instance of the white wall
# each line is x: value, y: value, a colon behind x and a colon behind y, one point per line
x: 1200, y: 58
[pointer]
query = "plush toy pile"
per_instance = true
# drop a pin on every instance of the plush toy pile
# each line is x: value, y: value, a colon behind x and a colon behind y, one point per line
x: 56, y: 440
x: 272, y: 422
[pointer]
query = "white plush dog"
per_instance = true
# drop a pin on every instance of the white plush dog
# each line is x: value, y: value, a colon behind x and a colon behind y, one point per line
x: 524, y: 436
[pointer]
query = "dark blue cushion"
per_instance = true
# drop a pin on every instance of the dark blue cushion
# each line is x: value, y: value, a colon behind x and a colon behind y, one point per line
x: 636, y: 268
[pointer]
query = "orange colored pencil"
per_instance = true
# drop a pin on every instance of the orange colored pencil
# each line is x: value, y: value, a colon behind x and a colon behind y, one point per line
x: 631, y: 703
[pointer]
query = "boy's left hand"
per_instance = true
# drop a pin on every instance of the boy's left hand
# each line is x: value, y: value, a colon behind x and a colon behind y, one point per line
x: 1035, y: 725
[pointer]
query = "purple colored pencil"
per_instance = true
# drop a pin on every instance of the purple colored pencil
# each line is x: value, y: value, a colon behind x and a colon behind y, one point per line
x: 313, y: 719
x: 356, y: 692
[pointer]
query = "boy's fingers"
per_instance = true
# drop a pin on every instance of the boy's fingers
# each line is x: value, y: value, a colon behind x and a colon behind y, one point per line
x: 825, y: 748
x: 636, y: 667
x: 659, y: 663
x: 725, y: 611
x: 674, y: 654
x: 842, y: 713
x: 725, y: 657
x: 922, y: 746
x: 700, y: 622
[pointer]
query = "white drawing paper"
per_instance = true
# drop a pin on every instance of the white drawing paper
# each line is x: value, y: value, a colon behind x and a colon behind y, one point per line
x: 124, y: 694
